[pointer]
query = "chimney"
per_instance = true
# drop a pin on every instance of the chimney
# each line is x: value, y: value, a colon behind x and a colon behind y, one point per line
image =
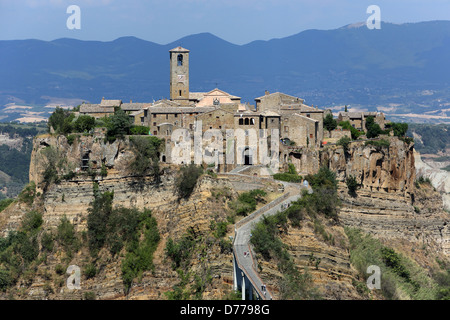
x: 267, y: 93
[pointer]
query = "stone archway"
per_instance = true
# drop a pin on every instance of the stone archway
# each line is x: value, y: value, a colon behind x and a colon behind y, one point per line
x: 247, y: 155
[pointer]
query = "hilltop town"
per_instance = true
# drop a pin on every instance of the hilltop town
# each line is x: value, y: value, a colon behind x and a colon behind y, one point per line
x: 299, y: 126
x: 168, y: 200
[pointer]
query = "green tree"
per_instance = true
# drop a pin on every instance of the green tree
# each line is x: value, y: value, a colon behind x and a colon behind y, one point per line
x: 399, y: 129
x: 329, y: 122
x: 352, y: 185
x: 344, y: 142
x: 61, y: 121
x: 84, y: 123
x: 187, y: 180
x: 347, y: 126
x: 146, y: 155
x: 373, y: 128
x: 118, y: 125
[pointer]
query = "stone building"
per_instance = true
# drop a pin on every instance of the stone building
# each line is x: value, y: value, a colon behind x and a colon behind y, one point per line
x: 358, y: 119
x: 295, y: 121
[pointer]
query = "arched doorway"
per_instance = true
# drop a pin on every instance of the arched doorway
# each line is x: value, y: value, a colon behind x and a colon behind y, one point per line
x: 248, y: 157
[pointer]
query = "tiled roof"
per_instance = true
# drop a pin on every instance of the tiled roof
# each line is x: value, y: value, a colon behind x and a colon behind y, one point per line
x: 111, y: 103
x: 96, y: 108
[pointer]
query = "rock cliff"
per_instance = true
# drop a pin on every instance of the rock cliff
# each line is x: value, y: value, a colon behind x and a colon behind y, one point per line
x: 388, y: 205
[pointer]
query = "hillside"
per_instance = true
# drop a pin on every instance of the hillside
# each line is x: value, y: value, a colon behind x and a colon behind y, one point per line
x: 134, y: 237
x: 399, y: 69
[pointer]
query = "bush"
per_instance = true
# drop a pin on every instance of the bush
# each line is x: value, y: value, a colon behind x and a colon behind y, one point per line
x: 84, y: 123
x: 90, y: 271
x: 344, y: 142
x: 373, y: 128
x: 61, y: 121
x: 32, y: 221
x: 5, y: 203
x: 290, y: 176
x: 354, y: 132
x: 329, y: 122
x: 383, y: 143
x: 145, y: 150
x: 66, y: 235
x: 47, y: 242
x: 139, y: 130
x: 28, y: 193
x: 98, y: 214
x: 187, y: 180
x: 352, y: 185
x: 247, y: 201
x: 71, y: 139
x: 118, y: 125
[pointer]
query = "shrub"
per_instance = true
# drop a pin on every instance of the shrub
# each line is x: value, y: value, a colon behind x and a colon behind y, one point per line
x: 352, y: 185
x: 47, y: 241
x: 382, y: 143
x: 90, y: 271
x: 28, y: 193
x: 145, y: 150
x: 5, y: 203
x: 354, y: 132
x: 118, y: 125
x: 98, y: 215
x: 139, y: 130
x: 71, y: 138
x: 61, y: 121
x: 329, y: 122
x: 84, y: 123
x: 180, y: 252
x: 187, y: 180
x: 66, y: 235
x: 89, y: 295
x: 32, y: 221
x: 344, y: 142
x: 373, y: 128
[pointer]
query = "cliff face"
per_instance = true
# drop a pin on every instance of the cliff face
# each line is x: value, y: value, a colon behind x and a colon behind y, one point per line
x: 388, y: 206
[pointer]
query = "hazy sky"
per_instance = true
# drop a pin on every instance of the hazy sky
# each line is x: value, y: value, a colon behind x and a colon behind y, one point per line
x: 164, y: 21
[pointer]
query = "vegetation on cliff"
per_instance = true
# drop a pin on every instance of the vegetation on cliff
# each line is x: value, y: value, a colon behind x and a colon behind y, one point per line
x: 401, y: 277
x: 323, y: 202
x: 118, y: 228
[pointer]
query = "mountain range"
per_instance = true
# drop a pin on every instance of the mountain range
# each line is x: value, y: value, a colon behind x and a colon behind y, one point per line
x: 398, y: 69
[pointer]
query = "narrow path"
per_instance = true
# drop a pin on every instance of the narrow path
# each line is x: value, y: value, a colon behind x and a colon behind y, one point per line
x: 241, y: 244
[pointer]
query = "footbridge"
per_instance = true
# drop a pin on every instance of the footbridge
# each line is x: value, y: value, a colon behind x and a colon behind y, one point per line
x: 245, y: 275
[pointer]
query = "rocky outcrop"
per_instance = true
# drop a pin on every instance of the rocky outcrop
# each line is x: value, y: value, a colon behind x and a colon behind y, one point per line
x: 440, y: 179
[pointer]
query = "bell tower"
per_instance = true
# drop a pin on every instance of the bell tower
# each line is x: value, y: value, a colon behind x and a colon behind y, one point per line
x: 179, y: 75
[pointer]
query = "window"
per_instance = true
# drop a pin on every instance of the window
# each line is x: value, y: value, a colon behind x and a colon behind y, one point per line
x: 167, y: 116
x: 154, y: 115
x: 155, y: 133
x: 247, y: 121
x: 142, y: 120
x: 241, y: 121
x: 176, y: 115
x: 180, y: 60
x: 179, y: 93
x: 154, y: 124
x: 308, y: 115
x: 286, y: 129
x: 311, y: 135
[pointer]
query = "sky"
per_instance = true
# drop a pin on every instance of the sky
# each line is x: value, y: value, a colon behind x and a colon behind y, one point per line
x: 164, y: 21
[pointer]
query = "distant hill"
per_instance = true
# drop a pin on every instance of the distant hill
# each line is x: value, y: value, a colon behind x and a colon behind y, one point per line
x: 398, y: 69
